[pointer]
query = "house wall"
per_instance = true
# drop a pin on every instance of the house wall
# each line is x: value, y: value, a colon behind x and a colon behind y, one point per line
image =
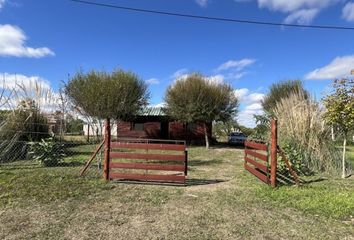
x: 191, y: 131
x: 153, y: 129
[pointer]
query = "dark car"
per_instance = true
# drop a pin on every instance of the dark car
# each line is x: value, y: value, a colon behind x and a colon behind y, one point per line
x: 237, y: 138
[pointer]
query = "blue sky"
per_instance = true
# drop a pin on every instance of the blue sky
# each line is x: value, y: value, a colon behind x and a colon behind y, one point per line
x: 49, y: 40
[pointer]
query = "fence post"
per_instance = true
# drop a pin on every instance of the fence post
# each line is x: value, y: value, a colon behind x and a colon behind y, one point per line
x: 185, y: 162
x: 107, y: 148
x: 273, y: 153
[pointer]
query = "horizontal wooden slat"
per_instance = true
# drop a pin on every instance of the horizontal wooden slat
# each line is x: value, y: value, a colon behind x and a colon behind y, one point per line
x: 149, y: 146
x: 258, y: 146
x: 148, y: 166
x: 148, y: 177
x: 256, y: 154
x: 257, y: 164
x: 147, y: 156
x: 258, y: 174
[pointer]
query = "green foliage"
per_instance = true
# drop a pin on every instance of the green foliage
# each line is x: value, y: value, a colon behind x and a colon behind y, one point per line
x: 340, y: 111
x: 118, y: 95
x: 340, y: 106
x: 74, y: 125
x: 282, y: 90
x: 223, y: 129
x: 300, y: 124
x: 3, y: 115
x: 296, y: 155
x: 262, y: 129
x: 24, y: 124
x: 48, y: 152
x: 197, y: 99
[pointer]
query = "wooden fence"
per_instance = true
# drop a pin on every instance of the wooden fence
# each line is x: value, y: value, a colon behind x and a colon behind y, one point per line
x: 261, y: 158
x: 257, y: 160
x: 148, y: 160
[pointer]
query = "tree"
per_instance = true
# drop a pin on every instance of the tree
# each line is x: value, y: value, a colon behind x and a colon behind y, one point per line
x: 282, y: 90
x: 198, y: 99
x: 340, y: 110
x: 74, y: 125
x: 117, y: 95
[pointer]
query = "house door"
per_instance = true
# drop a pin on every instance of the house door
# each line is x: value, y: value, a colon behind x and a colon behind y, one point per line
x: 164, y: 130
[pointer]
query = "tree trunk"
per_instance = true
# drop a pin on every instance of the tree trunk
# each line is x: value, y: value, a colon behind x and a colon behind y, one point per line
x: 332, y: 134
x: 343, y: 158
x: 206, y: 136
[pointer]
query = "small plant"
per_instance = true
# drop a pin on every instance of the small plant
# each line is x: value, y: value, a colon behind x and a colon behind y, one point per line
x: 48, y: 152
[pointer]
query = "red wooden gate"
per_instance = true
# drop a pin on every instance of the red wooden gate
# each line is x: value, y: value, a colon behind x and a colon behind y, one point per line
x: 257, y: 160
x: 261, y: 158
x: 148, y: 160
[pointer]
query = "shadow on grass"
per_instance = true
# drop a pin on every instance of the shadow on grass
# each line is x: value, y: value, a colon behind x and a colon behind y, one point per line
x: 28, y: 166
x: 203, y: 162
x: 200, y: 182
x: 288, y: 180
x: 189, y: 182
x: 225, y: 145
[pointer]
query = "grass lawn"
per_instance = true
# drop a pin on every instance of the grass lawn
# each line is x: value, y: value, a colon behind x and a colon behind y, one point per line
x: 221, y: 201
x: 351, y: 154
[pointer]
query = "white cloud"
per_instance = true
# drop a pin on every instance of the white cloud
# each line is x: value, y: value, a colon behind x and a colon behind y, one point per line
x: 303, y: 16
x: 21, y: 87
x: 13, y: 43
x: 300, y: 11
x: 339, y: 67
x: 2, y: 3
x: 216, y: 79
x: 202, y: 3
x: 251, y: 105
x: 152, y: 81
x: 237, y: 65
x: 248, y: 98
x: 245, y: 116
x: 16, y: 81
x: 348, y: 12
x: 179, y: 73
x: 294, y: 5
x: 158, y: 105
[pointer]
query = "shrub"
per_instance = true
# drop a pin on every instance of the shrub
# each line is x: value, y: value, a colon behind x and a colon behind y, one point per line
x: 301, y: 127
x: 48, y: 152
x: 25, y: 123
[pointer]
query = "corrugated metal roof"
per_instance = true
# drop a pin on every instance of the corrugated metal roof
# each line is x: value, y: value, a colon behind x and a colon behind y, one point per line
x: 152, y: 111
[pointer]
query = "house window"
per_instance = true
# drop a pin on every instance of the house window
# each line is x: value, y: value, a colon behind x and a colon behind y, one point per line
x: 138, y: 127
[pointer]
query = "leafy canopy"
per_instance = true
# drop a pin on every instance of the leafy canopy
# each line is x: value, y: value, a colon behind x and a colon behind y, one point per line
x: 198, y: 99
x: 281, y: 90
x: 340, y: 105
x: 118, y: 95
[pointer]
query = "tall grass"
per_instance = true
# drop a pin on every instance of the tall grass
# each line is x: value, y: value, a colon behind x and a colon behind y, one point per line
x: 301, y: 126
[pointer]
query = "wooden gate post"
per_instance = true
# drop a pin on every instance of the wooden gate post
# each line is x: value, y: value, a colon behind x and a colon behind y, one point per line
x: 273, y: 153
x: 107, y: 148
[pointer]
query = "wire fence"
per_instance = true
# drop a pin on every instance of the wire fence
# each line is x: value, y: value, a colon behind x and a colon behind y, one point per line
x: 66, y: 153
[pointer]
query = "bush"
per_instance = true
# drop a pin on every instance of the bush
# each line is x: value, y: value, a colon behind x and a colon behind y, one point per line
x: 24, y: 124
x: 304, y: 135
x: 48, y: 152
